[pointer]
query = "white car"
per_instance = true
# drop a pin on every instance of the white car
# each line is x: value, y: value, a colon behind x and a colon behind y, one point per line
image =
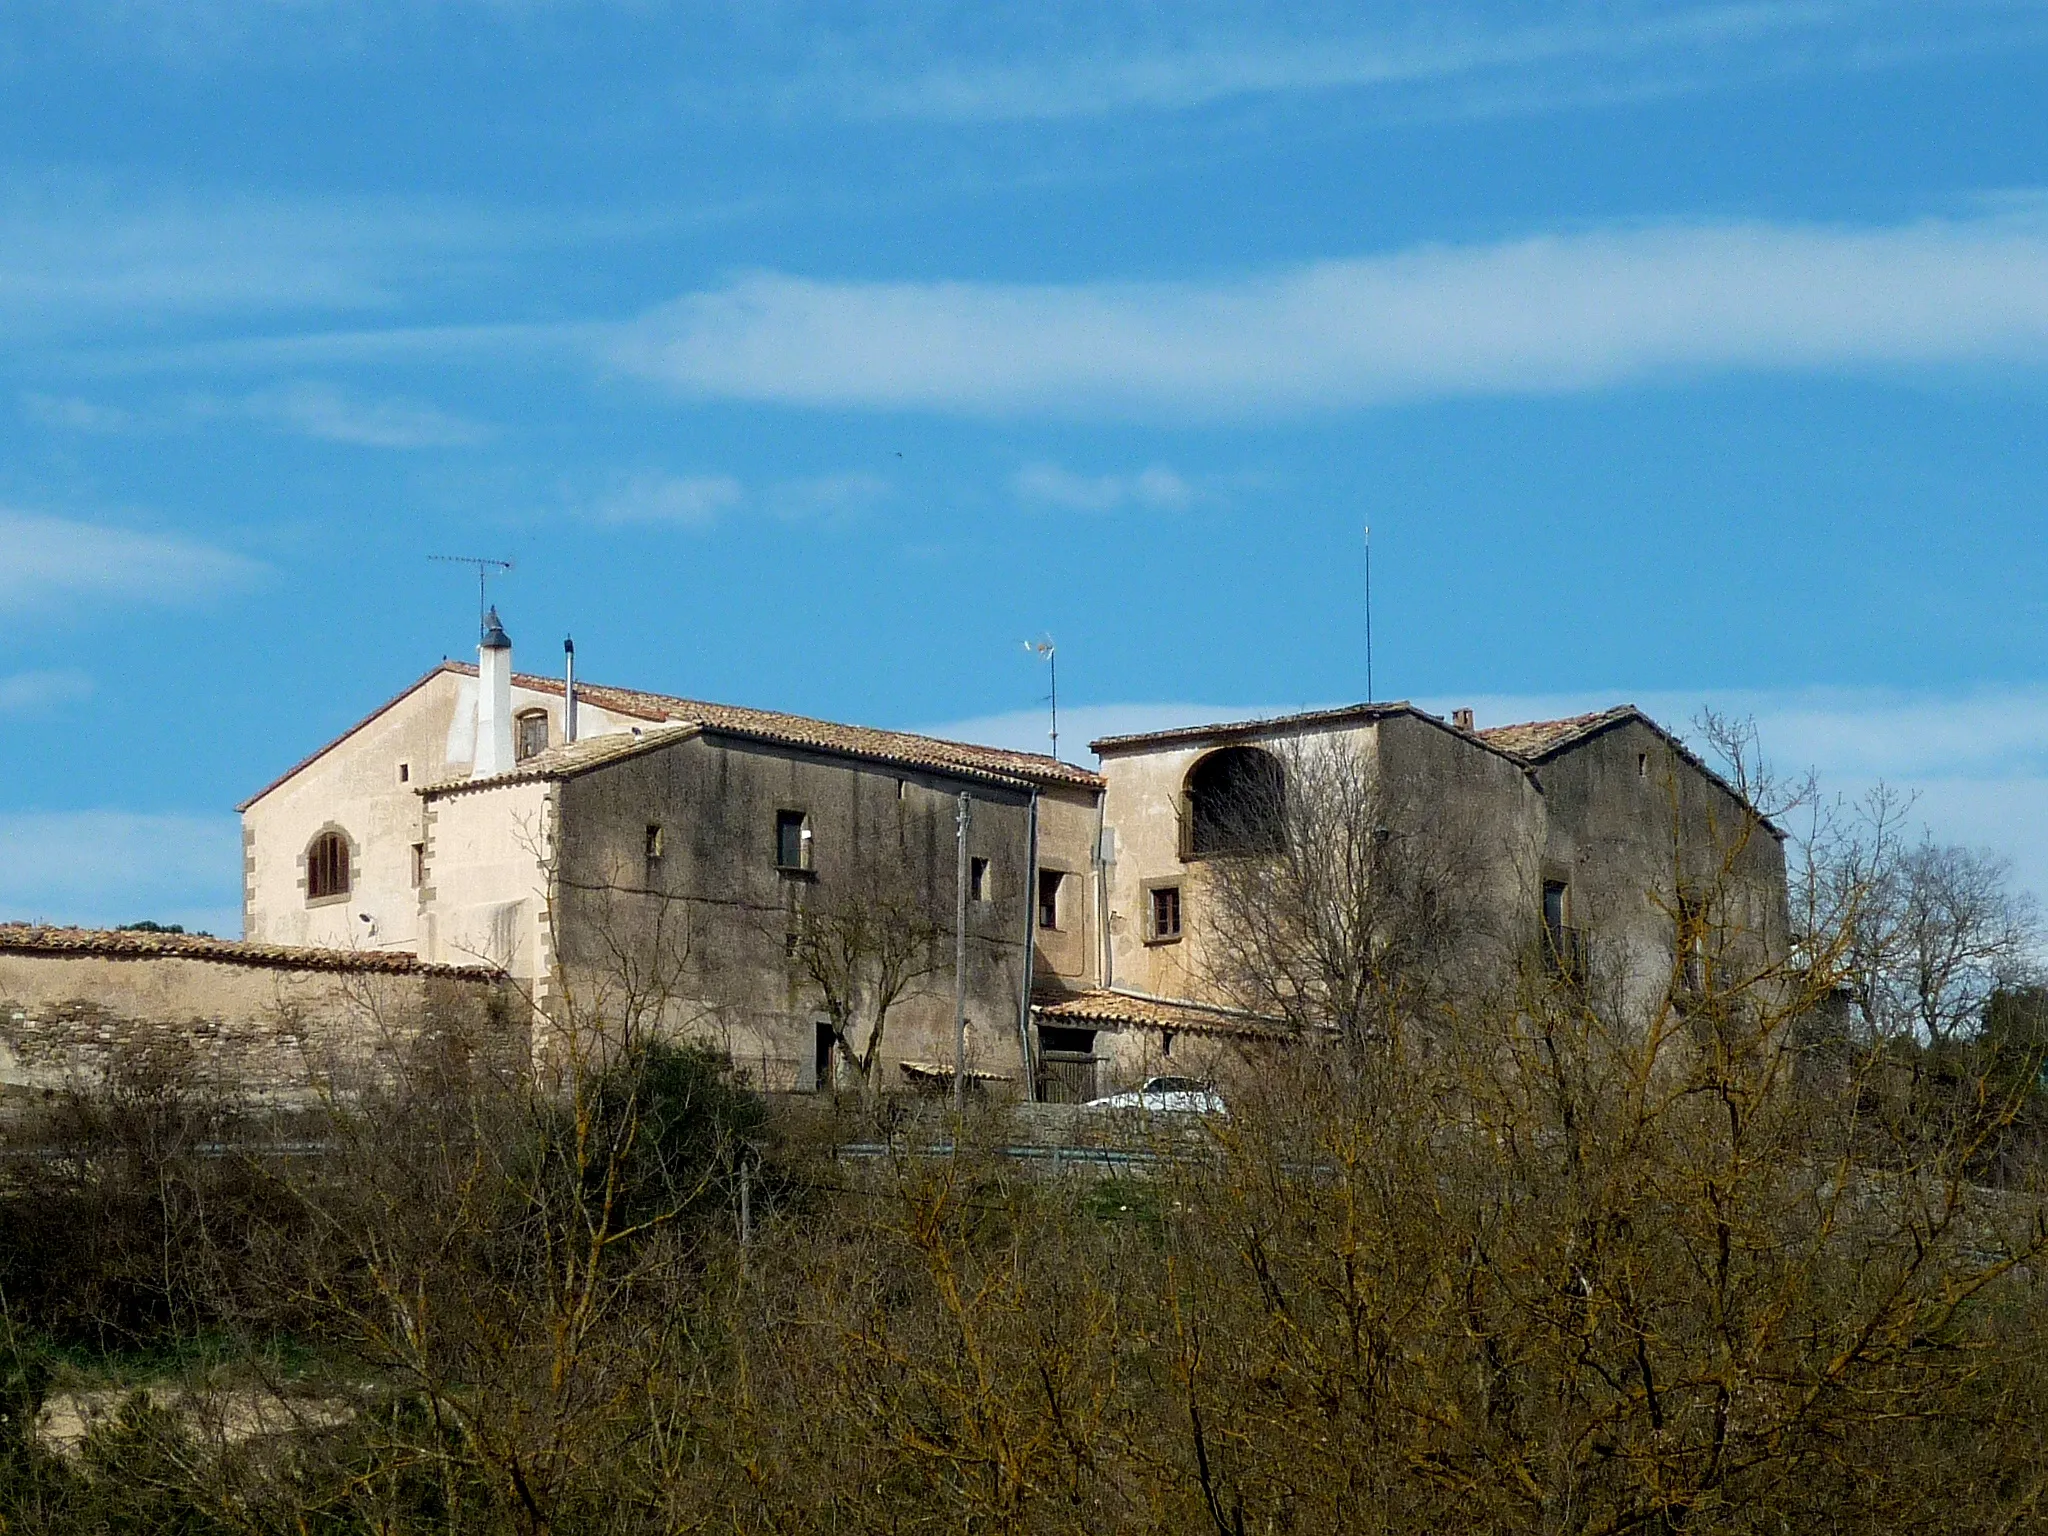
x: 1167, y: 1096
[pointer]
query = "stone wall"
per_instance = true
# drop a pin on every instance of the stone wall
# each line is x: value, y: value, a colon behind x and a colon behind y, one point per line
x: 249, y: 1021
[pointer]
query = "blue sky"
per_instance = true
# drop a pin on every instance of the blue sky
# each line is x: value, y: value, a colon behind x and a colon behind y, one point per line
x: 817, y: 356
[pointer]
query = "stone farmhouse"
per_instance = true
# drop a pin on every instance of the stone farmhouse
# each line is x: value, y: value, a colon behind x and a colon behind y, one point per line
x: 598, y: 851
x: 1597, y: 841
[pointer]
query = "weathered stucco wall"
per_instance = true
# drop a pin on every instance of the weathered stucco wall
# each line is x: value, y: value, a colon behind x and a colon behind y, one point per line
x: 1629, y: 819
x: 1143, y: 804
x: 1482, y: 816
x: 260, y: 1030
x: 712, y: 910
x: 1069, y: 955
x: 485, y: 896
x: 366, y: 786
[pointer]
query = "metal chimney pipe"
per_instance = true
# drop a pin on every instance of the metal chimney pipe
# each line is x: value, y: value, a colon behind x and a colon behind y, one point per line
x: 568, y: 689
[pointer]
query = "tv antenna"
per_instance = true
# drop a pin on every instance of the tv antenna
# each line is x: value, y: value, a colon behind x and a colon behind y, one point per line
x: 485, y: 566
x: 1043, y: 646
x: 1368, y: 613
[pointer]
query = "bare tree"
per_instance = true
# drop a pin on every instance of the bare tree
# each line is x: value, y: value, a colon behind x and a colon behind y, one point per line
x: 861, y: 954
x: 1334, y: 903
x: 1929, y: 931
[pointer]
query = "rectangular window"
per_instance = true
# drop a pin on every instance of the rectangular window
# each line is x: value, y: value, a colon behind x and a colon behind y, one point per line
x: 1553, y: 913
x: 533, y: 734
x: 1165, y: 912
x: 419, y: 865
x: 654, y: 841
x: 977, y: 879
x: 792, y: 840
x: 1049, y: 882
x: 1692, y: 940
x: 1564, y: 947
x: 404, y: 773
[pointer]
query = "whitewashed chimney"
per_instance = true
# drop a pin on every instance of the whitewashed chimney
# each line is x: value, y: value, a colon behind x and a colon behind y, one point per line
x: 493, y: 701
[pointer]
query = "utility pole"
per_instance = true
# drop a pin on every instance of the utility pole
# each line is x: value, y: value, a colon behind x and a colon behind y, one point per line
x: 960, y: 962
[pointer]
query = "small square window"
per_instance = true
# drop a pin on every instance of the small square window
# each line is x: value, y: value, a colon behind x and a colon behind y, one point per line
x: 1165, y: 912
x: 419, y: 865
x: 405, y: 773
x: 792, y: 840
x: 977, y: 879
x: 654, y: 841
x: 1049, y: 883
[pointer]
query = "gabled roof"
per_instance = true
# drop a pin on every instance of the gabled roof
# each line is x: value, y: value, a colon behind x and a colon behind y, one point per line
x: 1538, y: 739
x: 1273, y: 725
x: 567, y: 759
x: 125, y: 944
x: 319, y: 752
x: 902, y: 747
x: 1239, y: 730
x: 905, y: 747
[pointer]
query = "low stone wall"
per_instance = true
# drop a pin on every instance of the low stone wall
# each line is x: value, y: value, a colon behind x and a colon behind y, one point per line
x: 254, y: 1022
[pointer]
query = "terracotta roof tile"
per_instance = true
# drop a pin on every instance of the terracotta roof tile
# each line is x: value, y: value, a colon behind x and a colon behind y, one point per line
x: 1539, y: 738
x: 1233, y: 729
x: 37, y: 939
x: 800, y: 730
x: 1117, y: 1009
x: 566, y: 759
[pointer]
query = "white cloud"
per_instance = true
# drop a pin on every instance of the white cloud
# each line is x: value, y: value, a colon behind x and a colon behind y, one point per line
x: 1546, y: 314
x: 335, y: 415
x: 27, y: 691
x: 52, y: 561
x: 1439, y: 58
x: 697, y: 501
x: 1156, y: 489
x: 100, y: 868
x: 826, y: 496
x: 691, y: 501
x: 73, y: 414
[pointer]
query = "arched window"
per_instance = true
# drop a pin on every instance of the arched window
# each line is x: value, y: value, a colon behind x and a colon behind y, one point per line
x: 1236, y: 803
x: 327, y: 866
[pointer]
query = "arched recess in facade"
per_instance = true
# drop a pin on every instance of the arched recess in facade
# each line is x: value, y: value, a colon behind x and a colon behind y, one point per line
x: 1236, y: 799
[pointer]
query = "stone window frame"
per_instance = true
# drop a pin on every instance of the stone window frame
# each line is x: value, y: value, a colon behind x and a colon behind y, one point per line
x: 806, y: 866
x: 1149, y: 911
x: 521, y: 722
x: 355, y: 864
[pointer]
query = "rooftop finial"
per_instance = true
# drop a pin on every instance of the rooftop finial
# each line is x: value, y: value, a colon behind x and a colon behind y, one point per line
x: 494, y: 637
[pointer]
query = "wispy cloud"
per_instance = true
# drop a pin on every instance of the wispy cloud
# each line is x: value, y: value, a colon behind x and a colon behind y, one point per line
x: 335, y: 415
x: 837, y: 496
x: 100, y: 868
x: 699, y: 500
x: 1438, y: 58
x: 689, y: 501
x: 1157, y: 489
x: 72, y: 414
x: 25, y: 692
x: 53, y: 561
x: 1547, y: 314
